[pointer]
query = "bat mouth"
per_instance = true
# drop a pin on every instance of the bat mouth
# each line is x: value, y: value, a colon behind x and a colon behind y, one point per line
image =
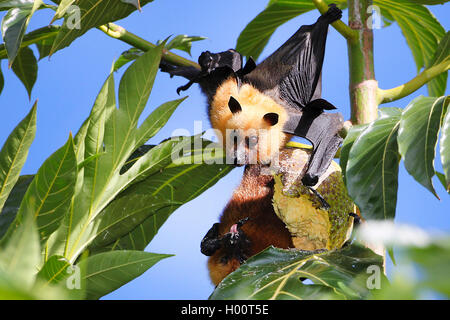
x: 236, y: 232
x: 246, y: 157
x: 240, y: 158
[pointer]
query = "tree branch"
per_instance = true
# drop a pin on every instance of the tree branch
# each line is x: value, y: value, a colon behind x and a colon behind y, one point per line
x: 122, y: 34
x: 363, y: 85
x: 340, y: 26
x: 111, y: 30
x: 414, y: 84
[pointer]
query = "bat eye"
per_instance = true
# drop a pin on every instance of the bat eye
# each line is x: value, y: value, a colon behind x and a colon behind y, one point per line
x: 271, y: 118
x: 234, y: 105
x: 251, y: 141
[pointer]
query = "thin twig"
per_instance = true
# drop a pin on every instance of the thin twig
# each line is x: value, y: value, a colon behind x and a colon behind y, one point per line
x: 414, y: 84
x: 120, y: 33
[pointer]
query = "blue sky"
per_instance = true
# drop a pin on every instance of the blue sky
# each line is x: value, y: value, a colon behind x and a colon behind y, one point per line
x: 69, y: 82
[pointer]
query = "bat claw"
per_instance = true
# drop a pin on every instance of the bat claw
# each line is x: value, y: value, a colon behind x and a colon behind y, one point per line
x: 242, y: 222
x: 333, y: 13
x: 309, y: 180
x: 185, y: 87
x: 357, y: 219
x: 323, y: 203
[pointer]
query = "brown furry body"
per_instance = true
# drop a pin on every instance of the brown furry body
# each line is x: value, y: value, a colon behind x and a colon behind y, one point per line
x: 253, y: 199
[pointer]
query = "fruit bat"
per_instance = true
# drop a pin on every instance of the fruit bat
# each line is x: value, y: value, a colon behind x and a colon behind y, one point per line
x: 286, y: 86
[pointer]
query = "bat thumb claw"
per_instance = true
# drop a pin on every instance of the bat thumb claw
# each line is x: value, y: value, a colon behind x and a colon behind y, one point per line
x: 310, y: 180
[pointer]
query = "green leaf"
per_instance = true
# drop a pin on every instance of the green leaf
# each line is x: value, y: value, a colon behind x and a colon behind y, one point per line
x: 9, y: 4
x: 156, y: 120
x: 138, y: 212
x: 372, y: 167
x: 26, y: 285
x: 352, y: 135
x: 442, y: 180
x: 429, y: 2
x: 437, y: 86
x: 433, y: 259
x: 44, y: 46
x: 20, y: 255
x: 104, y: 105
x: 277, y: 274
x: 134, y: 81
x: 388, y: 112
x: 183, y: 42
x: 445, y: 148
x: 442, y: 52
x: 102, y: 178
x: 92, y: 13
x: 15, y: 152
x: 422, y: 31
x: 14, y: 24
x: 13, y: 202
x: 257, y: 33
x: 417, y: 137
x: 89, y: 154
x: 41, y: 37
x: 88, y: 160
x: 25, y: 67
x: 116, y: 222
x: 422, y: 260
x: 49, y: 195
x: 390, y: 251
x: 134, y: 90
x: 106, y: 272
x: 135, y: 3
x: 78, y: 141
x: 63, y: 6
x: 54, y: 270
x: 155, y: 160
x: 11, y: 289
x: 127, y: 56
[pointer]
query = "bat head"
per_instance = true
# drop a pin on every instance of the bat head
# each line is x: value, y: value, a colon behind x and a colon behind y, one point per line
x: 249, y: 123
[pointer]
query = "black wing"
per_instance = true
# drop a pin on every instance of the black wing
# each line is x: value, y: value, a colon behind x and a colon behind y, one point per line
x: 294, y: 70
x: 292, y: 75
x: 322, y: 129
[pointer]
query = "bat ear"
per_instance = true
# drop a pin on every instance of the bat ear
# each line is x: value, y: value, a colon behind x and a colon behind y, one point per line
x: 271, y: 118
x: 234, y: 105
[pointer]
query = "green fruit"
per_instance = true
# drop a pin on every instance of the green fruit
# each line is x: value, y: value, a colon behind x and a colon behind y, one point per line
x: 311, y: 226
